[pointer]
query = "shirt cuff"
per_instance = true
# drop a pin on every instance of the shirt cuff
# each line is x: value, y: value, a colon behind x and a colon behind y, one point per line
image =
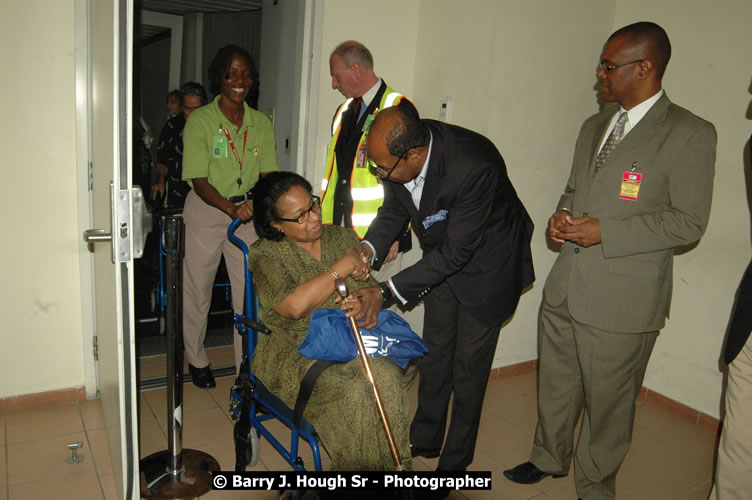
x: 373, y: 251
x: 396, y: 293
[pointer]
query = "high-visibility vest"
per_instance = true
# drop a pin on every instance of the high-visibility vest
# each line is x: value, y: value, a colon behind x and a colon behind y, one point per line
x: 365, y: 188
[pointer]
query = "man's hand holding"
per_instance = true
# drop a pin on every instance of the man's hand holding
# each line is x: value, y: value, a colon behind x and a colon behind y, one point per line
x: 585, y: 231
x: 558, y: 221
x: 367, y: 315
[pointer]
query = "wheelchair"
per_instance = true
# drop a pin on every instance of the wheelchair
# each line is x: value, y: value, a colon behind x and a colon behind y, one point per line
x: 251, y: 404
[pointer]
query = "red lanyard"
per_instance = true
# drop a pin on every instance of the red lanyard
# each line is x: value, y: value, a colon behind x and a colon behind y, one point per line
x: 235, y: 151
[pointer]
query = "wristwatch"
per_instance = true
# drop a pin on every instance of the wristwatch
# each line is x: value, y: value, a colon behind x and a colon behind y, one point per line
x: 386, y: 292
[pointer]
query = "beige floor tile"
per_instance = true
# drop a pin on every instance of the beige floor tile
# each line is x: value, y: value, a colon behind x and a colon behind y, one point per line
x: 144, y: 410
x: 697, y: 441
x: 151, y: 367
x: 224, y: 453
x: 107, y: 480
x: 73, y: 486
x: 673, y: 459
x: 38, y: 424
x: 2, y: 430
x: 99, y: 447
x: 660, y: 421
x: 202, y: 427
x: 521, y: 410
x: 151, y: 438
x: 648, y: 480
x: 525, y: 383
x: 45, y: 458
x: 193, y: 399
x: 91, y: 412
x: 3, y: 479
x: 3, y: 496
x: 220, y: 357
x: 643, y: 439
x: 496, y: 435
x: 221, y: 393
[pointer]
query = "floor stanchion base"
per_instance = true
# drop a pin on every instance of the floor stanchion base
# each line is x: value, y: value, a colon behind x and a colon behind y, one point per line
x: 193, y: 481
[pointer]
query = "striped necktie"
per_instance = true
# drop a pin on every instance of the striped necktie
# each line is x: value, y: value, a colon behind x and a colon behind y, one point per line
x: 613, y: 139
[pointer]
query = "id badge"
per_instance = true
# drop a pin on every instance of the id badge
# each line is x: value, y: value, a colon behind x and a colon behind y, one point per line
x: 362, y: 156
x: 367, y: 124
x: 219, y: 147
x: 630, y: 186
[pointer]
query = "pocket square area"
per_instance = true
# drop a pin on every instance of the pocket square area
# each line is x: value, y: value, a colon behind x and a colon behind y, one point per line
x: 432, y: 219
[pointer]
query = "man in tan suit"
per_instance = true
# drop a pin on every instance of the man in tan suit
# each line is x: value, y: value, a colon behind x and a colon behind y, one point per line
x: 640, y: 186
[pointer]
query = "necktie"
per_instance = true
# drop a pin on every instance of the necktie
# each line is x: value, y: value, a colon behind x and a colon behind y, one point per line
x: 357, y: 104
x: 613, y: 139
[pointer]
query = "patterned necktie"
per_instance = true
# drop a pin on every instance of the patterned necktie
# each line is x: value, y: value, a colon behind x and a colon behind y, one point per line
x: 613, y: 139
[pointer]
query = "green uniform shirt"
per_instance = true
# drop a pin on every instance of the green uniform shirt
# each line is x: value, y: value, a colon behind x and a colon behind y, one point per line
x: 207, y: 153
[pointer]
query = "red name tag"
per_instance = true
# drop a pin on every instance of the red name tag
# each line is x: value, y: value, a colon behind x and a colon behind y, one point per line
x: 630, y: 186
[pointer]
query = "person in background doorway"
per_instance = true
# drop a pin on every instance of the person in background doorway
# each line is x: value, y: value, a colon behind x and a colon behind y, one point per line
x: 227, y: 146
x: 170, y: 187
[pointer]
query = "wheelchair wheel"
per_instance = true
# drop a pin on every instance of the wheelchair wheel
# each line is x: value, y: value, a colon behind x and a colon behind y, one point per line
x: 255, y: 448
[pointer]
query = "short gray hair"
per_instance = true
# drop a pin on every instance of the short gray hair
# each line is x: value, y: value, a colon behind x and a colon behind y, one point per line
x: 352, y: 52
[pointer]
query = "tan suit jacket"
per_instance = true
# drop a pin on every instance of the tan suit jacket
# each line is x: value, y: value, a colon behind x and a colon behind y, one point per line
x: 624, y: 284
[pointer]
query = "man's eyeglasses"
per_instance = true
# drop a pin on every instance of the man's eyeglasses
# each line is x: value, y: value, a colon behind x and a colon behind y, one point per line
x: 608, y: 68
x: 303, y: 218
x: 385, y: 174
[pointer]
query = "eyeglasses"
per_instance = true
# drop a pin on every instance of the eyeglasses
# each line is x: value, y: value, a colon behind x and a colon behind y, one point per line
x: 303, y: 218
x: 385, y: 174
x: 608, y: 68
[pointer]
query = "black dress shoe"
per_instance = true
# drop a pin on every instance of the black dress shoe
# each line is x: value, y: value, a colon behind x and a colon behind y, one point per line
x: 424, y: 452
x: 528, y: 473
x: 202, y: 377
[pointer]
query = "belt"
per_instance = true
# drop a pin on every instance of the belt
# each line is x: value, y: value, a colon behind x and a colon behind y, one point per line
x: 242, y: 197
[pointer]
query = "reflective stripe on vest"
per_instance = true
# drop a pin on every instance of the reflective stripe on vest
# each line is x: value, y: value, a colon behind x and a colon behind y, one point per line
x: 366, y: 191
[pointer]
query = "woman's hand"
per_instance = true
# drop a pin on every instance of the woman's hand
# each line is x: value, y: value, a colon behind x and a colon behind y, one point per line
x: 361, y: 269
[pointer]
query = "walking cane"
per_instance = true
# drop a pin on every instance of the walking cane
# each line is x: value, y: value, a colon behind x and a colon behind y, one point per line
x: 341, y: 287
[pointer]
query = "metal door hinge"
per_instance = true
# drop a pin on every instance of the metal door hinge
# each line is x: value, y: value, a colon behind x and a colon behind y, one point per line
x: 95, y: 348
x: 91, y: 176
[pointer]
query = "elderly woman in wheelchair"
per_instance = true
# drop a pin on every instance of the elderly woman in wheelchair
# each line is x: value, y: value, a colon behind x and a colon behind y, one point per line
x: 295, y: 263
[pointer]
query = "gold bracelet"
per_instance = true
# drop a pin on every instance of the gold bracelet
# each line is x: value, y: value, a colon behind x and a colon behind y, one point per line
x: 334, y: 273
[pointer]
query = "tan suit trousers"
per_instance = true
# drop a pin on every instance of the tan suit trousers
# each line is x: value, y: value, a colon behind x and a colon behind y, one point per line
x: 205, y: 243
x: 582, y: 366
x: 733, y: 476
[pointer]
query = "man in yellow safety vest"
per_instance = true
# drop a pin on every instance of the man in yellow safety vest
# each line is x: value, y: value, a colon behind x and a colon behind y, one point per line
x: 351, y: 193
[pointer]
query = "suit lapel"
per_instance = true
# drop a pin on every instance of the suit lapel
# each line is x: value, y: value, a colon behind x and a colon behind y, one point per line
x: 645, y: 129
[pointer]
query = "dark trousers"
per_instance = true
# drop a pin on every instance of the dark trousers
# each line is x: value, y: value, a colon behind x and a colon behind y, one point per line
x: 460, y: 353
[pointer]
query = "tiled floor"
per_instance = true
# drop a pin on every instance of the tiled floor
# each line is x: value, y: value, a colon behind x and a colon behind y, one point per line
x: 669, y: 459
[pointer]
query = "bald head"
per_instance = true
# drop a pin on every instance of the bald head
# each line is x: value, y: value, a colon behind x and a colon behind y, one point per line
x: 401, y: 129
x: 398, y: 134
x: 352, y: 52
x: 649, y: 41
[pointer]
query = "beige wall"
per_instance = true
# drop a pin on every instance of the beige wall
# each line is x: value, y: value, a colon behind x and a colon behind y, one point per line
x: 40, y: 304
x: 520, y: 73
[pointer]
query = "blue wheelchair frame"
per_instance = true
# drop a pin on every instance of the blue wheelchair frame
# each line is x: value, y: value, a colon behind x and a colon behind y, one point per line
x: 264, y: 406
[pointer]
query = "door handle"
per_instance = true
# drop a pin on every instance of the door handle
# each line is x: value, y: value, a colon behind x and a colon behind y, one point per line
x: 92, y: 236
x: 97, y: 235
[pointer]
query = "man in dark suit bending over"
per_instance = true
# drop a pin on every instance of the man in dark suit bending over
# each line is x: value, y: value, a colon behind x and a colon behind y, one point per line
x: 452, y: 184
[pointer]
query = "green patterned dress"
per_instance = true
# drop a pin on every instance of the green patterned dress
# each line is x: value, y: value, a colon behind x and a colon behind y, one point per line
x: 342, y: 406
